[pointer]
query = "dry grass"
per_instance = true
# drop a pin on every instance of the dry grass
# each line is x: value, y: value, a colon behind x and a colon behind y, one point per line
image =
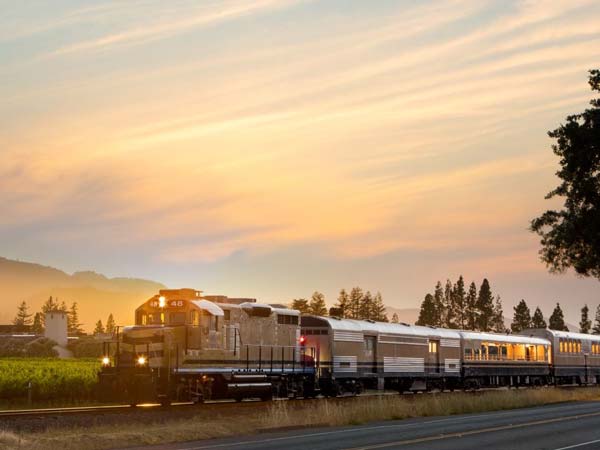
x: 288, y: 414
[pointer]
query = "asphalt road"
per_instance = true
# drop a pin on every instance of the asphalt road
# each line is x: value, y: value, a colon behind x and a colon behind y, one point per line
x: 553, y: 427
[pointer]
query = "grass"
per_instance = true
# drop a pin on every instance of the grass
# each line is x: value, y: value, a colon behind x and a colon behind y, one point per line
x: 278, y: 415
x: 51, y: 379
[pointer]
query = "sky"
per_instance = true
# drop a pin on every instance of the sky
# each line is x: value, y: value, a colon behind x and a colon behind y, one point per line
x: 270, y: 148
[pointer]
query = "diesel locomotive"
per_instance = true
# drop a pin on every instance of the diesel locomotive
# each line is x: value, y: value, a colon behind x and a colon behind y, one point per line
x: 186, y: 346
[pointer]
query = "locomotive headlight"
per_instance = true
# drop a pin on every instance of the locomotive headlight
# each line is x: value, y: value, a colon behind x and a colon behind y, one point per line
x: 106, y: 361
x: 141, y: 360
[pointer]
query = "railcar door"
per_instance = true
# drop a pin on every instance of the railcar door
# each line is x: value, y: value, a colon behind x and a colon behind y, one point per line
x: 371, y: 353
x: 433, y: 360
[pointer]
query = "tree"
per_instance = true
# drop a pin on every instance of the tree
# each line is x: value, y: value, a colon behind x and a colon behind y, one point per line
x: 427, y: 313
x: 585, y: 324
x: 23, y: 318
x: 557, y: 319
x: 37, y: 327
x: 63, y: 307
x: 471, y: 308
x: 49, y: 305
x: 498, y: 317
x: 379, y: 311
x: 343, y: 302
x: 521, y: 318
x: 110, y: 324
x: 569, y: 237
x: 73, y: 324
x: 459, y: 302
x: 485, y: 307
x: 449, y: 306
x: 99, y: 328
x: 316, y: 306
x: 395, y: 318
x: 538, y: 319
x: 301, y: 304
x: 365, y: 311
x: 596, y: 329
x: 356, y: 296
x: 438, y: 297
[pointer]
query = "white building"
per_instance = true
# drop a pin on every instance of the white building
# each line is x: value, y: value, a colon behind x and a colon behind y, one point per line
x: 56, y: 327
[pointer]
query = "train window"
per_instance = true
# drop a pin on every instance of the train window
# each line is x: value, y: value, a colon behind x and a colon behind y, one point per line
x: 468, y: 353
x: 561, y: 345
x: 477, y: 354
x: 226, y: 314
x: 285, y: 319
x: 433, y: 346
x: 493, y: 352
x: 503, y: 352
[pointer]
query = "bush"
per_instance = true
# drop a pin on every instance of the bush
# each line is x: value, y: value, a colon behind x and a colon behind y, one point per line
x: 41, y: 347
x: 86, y: 348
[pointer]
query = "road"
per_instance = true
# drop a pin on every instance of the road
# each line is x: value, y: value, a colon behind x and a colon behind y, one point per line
x: 554, y: 427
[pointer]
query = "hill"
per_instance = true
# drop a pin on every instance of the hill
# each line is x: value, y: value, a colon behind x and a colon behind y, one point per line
x: 96, y: 294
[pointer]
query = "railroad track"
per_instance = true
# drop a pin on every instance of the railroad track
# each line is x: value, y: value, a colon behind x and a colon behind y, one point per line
x: 213, y: 404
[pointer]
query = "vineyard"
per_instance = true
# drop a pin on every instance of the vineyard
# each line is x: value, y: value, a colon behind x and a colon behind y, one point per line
x: 50, y: 378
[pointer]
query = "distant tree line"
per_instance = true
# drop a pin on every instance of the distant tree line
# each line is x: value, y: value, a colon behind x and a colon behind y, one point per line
x: 36, y: 322
x: 456, y: 307
x: 356, y: 304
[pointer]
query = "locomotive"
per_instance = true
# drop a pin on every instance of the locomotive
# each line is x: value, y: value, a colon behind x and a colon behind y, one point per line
x: 186, y: 346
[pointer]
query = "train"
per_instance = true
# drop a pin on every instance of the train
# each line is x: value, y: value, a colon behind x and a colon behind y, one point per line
x: 187, y: 346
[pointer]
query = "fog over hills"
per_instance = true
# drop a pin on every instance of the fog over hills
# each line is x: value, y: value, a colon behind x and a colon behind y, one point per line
x: 96, y: 295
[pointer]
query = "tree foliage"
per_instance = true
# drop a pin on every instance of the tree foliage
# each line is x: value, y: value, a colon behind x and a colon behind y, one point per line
x: 110, y: 324
x: 99, y: 329
x: 521, y: 317
x: 596, y: 329
x: 73, y: 324
x: 23, y: 318
x: 317, y: 304
x: 301, y: 304
x: 538, y: 321
x: 557, y: 319
x: 485, y: 307
x: 570, y: 237
x: 427, y: 313
x: 585, y: 324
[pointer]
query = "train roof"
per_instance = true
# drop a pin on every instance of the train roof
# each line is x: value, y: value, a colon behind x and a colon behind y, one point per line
x: 571, y: 335
x: 388, y: 328
x: 508, y: 338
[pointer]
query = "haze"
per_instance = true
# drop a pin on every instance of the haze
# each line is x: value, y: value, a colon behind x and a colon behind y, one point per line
x: 268, y: 149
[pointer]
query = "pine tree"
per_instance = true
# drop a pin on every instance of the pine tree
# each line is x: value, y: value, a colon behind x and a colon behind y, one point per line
x: 449, y: 306
x: 37, y: 327
x: 63, y: 307
x: 365, y: 311
x: 356, y: 296
x: 379, y: 311
x: 316, y: 306
x: 343, y: 302
x: 110, y: 324
x: 395, y: 318
x: 557, y: 320
x: 498, y: 319
x: 23, y: 318
x: 538, y: 319
x: 585, y: 324
x: 49, y: 305
x: 427, y: 312
x: 440, y: 312
x: 459, y: 300
x: 522, y: 317
x: 73, y: 325
x: 471, y: 307
x: 99, y: 328
x: 485, y: 307
x: 301, y: 304
x: 596, y: 329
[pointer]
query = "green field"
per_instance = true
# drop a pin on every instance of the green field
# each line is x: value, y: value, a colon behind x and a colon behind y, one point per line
x: 51, y: 379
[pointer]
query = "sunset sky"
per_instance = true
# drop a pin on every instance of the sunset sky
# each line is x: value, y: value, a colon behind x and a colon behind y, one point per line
x: 270, y: 148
